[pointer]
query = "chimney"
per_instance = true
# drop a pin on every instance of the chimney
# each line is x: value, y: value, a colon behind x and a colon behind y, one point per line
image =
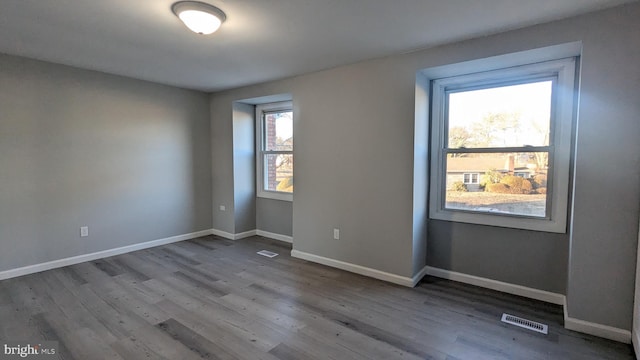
x: 510, y: 164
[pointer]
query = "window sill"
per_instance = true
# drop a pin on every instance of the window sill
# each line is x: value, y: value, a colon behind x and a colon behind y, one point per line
x: 491, y: 219
x: 274, y: 195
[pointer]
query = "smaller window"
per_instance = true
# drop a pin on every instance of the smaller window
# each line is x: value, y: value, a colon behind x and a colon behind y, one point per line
x: 274, y: 155
x: 471, y: 178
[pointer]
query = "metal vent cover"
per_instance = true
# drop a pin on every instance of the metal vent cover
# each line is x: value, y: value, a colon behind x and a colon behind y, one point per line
x: 267, y: 253
x: 525, y: 323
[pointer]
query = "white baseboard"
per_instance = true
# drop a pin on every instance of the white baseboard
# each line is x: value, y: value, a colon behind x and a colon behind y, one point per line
x: 223, y: 234
x: 245, y: 234
x: 519, y: 290
x: 249, y: 233
x: 31, y: 269
x: 362, y: 270
x: 231, y: 236
x: 603, y: 331
x: 417, y: 277
x: 275, y: 236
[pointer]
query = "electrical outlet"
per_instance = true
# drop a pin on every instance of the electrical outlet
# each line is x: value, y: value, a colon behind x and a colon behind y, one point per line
x: 336, y: 234
x: 223, y: 208
x: 84, y: 231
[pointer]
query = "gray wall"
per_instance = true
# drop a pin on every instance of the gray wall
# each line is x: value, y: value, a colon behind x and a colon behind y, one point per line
x: 355, y: 169
x: 420, y: 173
x: 127, y: 158
x: 607, y: 166
x: 244, y: 167
x: 636, y: 306
x: 530, y: 258
x: 274, y: 216
x: 222, y: 166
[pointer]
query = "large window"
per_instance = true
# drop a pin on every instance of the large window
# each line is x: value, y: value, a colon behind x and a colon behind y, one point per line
x: 274, y: 141
x: 501, y: 146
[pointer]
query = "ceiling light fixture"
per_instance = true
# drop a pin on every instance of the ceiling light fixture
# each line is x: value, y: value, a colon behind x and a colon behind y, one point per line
x: 199, y: 17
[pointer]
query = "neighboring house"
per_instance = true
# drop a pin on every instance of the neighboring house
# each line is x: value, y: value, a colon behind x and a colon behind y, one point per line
x: 469, y: 170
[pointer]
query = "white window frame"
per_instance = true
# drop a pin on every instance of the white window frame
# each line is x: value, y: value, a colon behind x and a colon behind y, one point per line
x: 471, y: 182
x: 261, y: 110
x: 563, y: 73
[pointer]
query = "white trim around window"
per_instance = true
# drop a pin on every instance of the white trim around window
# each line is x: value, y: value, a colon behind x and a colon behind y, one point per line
x: 562, y: 72
x: 471, y: 178
x: 261, y: 151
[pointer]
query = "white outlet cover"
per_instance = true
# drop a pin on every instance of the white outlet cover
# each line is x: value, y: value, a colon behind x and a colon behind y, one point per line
x: 223, y: 208
x: 84, y: 231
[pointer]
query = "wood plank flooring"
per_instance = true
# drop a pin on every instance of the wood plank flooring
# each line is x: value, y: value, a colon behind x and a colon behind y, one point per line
x: 211, y: 298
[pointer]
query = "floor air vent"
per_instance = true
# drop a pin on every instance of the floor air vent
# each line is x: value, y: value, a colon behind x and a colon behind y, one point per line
x: 267, y: 253
x: 524, y: 323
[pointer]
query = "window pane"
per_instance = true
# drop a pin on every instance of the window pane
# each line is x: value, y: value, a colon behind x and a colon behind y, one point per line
x: 278, y: 172
x: 505, y: 116
x: 278, y: 131
x: 507, y: 183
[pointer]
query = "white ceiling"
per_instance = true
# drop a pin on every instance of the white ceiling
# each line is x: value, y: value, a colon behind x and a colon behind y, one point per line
x: 261, y: 39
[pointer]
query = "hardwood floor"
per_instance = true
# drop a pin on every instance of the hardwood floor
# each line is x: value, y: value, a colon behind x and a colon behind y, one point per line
x: 216, y: 299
